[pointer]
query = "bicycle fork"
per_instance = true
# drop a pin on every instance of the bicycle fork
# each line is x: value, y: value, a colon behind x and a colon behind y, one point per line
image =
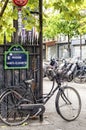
x: 64, y: 97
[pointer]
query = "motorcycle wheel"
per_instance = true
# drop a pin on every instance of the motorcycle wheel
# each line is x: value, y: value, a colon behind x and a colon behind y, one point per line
x: 50, y: 75
x: 70, y: 78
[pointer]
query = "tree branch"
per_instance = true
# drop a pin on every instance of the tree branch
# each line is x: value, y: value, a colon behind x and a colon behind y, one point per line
x: 3, y: 8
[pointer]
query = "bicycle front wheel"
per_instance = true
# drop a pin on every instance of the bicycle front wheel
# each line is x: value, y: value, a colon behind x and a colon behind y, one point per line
x: 68, y: 103
x: 10, y: 113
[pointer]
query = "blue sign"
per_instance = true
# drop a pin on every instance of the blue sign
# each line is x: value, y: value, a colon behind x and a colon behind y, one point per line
x: 16, y: 58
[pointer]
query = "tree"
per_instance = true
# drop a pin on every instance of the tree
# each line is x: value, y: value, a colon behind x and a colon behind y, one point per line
x: 67, y: 22
x: 50, y: 27
x: 69, y: 29
x: 58, y: 25
x: 82, y: 25
x: 8, y: 14
x: 3, y: 8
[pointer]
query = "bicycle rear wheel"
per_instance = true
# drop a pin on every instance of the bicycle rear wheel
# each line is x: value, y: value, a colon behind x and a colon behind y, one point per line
x: 68, y: 103
x: 10, y: 113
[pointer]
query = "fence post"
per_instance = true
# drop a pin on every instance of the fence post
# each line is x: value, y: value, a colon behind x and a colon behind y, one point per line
x: 41, y: 53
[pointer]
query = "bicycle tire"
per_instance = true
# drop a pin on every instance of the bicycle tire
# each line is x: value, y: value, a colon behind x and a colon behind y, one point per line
x: 68, y: 107
x: 12, y: 115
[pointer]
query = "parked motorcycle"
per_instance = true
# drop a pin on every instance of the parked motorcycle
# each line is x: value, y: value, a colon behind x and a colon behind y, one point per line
x: 64, y: 68
x: 80, y: 75
x: 69, y: 69
x: 72, y: 71
x: 49, y: 67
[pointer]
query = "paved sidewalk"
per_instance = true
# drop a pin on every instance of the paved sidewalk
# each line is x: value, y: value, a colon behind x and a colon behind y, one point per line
x: 52, y: 121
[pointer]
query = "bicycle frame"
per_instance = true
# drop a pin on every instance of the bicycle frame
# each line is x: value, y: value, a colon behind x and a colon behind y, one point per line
x: 46, y: 97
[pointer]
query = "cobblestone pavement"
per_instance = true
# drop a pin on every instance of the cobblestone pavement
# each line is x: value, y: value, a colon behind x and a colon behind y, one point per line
x: 52, y: 121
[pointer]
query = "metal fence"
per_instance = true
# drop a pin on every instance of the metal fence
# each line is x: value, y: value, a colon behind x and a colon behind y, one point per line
x: 11, y: 77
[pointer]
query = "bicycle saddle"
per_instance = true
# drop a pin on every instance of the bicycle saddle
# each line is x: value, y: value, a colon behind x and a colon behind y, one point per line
x: 30, y: 81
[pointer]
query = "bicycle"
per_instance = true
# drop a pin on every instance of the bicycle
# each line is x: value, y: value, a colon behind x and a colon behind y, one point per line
x: 20, y: 108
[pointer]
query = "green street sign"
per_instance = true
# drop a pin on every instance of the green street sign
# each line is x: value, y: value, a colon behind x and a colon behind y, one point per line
x: 16, y: 58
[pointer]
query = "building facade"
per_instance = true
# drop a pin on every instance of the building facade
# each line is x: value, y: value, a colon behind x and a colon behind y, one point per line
x: 59, y: 48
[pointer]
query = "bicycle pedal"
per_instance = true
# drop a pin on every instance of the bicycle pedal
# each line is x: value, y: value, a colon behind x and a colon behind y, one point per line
x: 38, y: 110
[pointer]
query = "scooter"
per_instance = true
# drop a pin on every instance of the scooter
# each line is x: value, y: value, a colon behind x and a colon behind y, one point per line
x: 48, y: 69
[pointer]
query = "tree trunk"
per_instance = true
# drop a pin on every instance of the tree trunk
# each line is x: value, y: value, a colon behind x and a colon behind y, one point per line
x: 80, y: 46
x: 69, y: 50
x: 3, y: 8
x: 15, y: 24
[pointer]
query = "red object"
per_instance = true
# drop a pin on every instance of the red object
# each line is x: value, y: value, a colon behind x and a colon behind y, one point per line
x: 20, y: 2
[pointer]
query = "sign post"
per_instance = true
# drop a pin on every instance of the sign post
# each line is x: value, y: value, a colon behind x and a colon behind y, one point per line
x: 20, y: 4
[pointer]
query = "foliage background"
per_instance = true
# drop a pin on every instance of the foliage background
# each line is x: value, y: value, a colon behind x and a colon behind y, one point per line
x: 59, y: 17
